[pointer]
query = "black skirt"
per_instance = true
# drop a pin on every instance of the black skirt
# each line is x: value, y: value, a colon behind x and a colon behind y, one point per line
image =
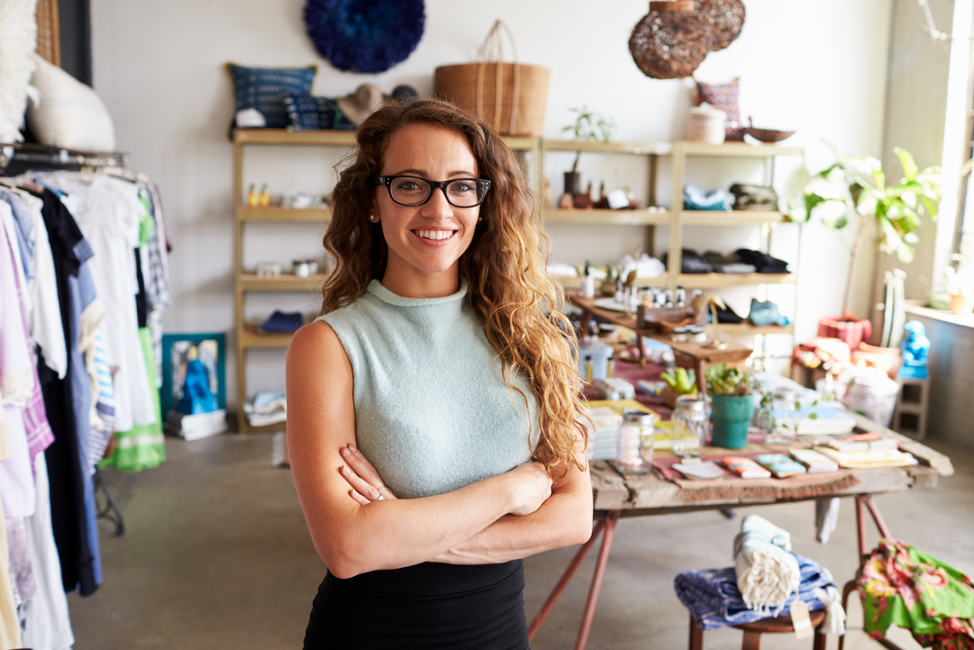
x: 429, y: 606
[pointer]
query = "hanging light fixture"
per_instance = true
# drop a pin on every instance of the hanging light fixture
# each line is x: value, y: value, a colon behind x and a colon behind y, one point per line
x: 724, y: 19
x: 670, y: 41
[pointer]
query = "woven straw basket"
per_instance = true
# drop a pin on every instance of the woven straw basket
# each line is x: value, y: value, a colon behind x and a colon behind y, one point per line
x: 509, y: 96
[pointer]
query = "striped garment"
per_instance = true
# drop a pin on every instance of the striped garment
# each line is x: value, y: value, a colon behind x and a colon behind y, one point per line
x: 103, y: 418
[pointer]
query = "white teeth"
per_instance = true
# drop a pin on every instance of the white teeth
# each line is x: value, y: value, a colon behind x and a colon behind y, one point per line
x: 435, y: 235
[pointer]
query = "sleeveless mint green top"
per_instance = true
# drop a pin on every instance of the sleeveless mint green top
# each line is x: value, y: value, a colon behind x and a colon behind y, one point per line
x: 432, y: 410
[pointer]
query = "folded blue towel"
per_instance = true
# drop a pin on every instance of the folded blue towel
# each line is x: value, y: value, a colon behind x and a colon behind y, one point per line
x: 696, y: 199
x: 715, y: 601
x: 280, y: 322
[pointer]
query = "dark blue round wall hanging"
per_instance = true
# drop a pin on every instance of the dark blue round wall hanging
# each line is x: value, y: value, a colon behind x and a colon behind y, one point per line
x: 365, y: 35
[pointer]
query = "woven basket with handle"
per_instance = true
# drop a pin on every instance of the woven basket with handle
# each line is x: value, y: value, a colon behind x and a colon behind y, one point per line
x: 509, y: 96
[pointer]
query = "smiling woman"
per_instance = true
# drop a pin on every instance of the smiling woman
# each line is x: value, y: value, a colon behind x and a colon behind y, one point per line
x: 409, y: 454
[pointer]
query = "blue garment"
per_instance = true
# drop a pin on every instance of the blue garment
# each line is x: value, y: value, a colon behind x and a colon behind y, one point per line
x: 432, y: 410
x: 695, y: 198
x: 25, y: 227
x: 83, y: 293
x: 714, y: 600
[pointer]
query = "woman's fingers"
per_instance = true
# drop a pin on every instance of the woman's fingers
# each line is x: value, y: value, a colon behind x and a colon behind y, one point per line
x: 362, y: 476
x: 360, y: 485
x: 359, y: 498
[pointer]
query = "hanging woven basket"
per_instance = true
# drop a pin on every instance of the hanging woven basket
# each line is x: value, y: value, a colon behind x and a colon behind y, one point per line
x: 671, y: 41
x: 724, y: 19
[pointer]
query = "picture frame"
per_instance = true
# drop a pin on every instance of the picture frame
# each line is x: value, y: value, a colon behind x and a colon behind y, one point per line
x: 211, y: 349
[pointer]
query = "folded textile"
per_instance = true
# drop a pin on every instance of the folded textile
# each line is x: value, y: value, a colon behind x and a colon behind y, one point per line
x: 767, y: 571
x: 695, y: 198
x: 280, y: 322
x: 690, y: 262
x: 762, y: 261
x: 267, y: 401
x: 766, y: 312
x: 902, y: 585
x: 754, y: 197
x: 727, y: 263
x: 714, y: 600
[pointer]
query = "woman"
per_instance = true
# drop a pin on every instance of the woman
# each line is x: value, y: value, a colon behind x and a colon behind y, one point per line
x: 441, y: 374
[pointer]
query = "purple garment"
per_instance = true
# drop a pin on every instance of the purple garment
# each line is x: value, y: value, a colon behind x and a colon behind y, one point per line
x: 21, y: 571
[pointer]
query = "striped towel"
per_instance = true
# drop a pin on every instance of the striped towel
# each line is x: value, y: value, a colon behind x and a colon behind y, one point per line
x: 767, y: 571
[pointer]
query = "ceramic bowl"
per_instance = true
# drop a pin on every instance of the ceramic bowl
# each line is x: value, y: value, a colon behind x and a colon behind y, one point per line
x: 767, y: 135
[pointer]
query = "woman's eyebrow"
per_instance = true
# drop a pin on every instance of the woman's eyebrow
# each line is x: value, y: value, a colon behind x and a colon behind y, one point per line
x: 465, y: 173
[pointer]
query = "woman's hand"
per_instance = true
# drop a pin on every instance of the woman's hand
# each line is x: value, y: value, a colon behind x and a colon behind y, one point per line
x: 532, y: 488
x: 367, y: 486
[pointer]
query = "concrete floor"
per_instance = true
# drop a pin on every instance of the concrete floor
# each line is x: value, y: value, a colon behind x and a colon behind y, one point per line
x: 216, y: 555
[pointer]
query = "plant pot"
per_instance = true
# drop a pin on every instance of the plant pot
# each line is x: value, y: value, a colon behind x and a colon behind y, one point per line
x: 573, y: 183
x: 731, y: 415
x: 669, y: 396
x: 961, y: 304
x: 849, y: 328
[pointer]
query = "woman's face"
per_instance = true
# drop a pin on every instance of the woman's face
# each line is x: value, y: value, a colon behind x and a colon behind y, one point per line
x: 425, y: 241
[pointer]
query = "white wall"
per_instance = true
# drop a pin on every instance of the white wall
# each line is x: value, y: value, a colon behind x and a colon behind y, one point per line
x: 819, y: 68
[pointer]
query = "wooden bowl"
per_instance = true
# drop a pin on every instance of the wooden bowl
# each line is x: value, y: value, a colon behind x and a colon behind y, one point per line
x: 767, y: 135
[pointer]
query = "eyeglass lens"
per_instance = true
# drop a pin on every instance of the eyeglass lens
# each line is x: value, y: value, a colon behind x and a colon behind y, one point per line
x: 461, y: 193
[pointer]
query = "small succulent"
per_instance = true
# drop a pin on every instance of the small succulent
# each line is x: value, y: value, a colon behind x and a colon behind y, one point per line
x: 722, y: 380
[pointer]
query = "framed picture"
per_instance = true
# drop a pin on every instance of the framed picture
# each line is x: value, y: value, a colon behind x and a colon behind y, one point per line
x: 178, y: 350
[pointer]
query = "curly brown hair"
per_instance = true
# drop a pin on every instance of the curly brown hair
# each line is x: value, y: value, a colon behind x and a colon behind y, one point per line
x: 505, y: 266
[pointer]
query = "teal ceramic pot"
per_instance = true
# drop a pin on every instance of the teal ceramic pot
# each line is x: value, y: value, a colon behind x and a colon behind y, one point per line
x: 732, y: 415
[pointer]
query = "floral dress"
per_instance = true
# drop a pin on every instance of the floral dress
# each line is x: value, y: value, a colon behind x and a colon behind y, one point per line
x: 901, y: 585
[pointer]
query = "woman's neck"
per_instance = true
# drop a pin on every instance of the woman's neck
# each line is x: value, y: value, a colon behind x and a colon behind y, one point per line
x: 409, y: 285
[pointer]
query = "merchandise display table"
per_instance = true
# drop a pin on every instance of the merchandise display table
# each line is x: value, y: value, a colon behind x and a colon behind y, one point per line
x: 696, y: 355
x: 618, y: 496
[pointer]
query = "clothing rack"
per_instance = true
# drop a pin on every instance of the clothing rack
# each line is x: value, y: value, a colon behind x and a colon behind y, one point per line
x: 20, y: 157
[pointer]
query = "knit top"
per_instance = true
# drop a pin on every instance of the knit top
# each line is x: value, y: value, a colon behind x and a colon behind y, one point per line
x: 432, y: 410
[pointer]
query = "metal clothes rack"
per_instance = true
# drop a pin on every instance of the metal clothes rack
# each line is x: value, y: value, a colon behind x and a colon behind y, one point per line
x: 21, y: 157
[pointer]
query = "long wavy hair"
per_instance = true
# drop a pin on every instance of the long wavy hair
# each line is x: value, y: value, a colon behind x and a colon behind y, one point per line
x: 505, y: 266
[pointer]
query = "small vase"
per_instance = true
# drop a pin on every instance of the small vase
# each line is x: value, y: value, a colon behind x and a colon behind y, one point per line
x: 732, y: 415
x: 961, y: 304
x: 573, y: 183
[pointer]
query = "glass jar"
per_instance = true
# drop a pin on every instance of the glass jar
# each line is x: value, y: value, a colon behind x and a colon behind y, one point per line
x: 636, y: 438
x: 691, y: 426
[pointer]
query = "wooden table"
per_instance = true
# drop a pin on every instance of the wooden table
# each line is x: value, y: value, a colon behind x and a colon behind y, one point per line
x: 697, y: 354
x: 619, y: 496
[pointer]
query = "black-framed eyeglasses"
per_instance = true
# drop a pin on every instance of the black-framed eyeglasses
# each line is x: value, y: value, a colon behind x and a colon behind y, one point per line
x: 413, y: 190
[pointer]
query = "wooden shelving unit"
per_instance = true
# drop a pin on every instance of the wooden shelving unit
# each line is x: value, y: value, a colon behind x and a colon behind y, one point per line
x: 247, y: 281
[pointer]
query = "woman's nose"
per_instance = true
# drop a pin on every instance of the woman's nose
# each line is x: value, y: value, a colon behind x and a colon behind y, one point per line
x: 437, y: 206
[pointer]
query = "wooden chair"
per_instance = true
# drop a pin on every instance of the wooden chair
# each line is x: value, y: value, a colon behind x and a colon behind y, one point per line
x: 754, y: 630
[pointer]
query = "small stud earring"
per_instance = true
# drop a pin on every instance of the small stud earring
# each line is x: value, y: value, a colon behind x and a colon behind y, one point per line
x: 372, y: 218
x: 480, y: 219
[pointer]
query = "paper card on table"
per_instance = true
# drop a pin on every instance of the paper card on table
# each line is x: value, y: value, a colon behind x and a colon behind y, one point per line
x: 780, y: 465
x: 745, y: 467
x: 705, y: 470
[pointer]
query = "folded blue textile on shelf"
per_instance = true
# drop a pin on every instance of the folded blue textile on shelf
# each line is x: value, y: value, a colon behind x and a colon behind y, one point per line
x: 695, y: 198
x: 715, y: 601
x: 280, y: 321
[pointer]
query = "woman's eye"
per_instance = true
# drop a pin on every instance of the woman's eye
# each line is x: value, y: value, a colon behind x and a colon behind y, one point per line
x: 408, y: 186
x: 461, y: 186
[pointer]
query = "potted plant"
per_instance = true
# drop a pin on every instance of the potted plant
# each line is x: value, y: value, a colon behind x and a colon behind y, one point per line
x: 588, y: 126
x: 678, y: 382
x: 732, y: 405
x: 856, y: 188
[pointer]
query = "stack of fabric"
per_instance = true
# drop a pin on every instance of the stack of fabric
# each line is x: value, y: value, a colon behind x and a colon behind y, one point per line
x: 754, y: 197
x: 268, y: 407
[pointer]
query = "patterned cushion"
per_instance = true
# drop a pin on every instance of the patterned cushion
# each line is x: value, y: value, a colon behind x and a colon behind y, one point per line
x: 724, y: 97
x: 264, y: 88
x: 314, y: 113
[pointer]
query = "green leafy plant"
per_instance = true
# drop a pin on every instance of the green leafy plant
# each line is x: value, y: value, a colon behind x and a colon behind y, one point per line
x: 857, y: 187
x: 722, y: 380
x: 589, y: 126
x: 682, y: 382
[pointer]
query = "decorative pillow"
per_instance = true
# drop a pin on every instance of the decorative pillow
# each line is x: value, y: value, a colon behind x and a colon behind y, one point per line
x: 18, y: 39
x: 724, y: 97
x: 315, y: 113
x: 68, y: 114
x: 264, y: 89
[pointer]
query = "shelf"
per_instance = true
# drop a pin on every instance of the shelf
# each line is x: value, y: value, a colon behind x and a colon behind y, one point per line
x: 718, y: 280
x: 286, y: 137
x: 575, y: 283
x: 738, y: 150
x: 519, y: 143
x: 746, y: 329
x: 283, y: 282
x: 615, y: 217
x: 733, y: 218
x: 251, y: 338
x: 245, y: 427
x: 635, y: 148
x: 279, y: 213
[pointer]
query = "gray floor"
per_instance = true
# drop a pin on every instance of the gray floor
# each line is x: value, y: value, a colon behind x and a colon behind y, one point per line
x: 216, y: 555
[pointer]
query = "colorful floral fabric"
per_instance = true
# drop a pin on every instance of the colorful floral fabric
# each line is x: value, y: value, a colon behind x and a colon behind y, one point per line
x: 901, y: 585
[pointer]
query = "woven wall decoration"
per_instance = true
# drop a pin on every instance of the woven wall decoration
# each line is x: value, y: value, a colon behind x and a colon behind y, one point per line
x: 724, y: 18
x: 365, y: 35
x: 670, y: 41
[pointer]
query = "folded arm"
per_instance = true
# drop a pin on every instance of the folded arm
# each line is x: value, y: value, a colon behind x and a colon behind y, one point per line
x: 564, y: 519
x: 352, y: 538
